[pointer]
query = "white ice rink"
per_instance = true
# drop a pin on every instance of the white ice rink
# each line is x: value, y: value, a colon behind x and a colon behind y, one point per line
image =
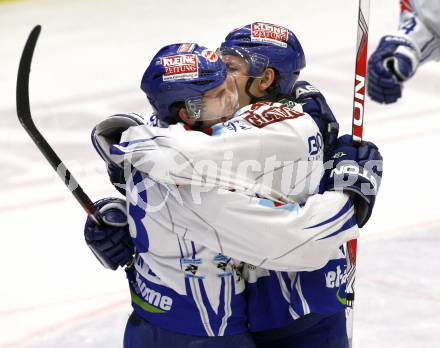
x: 88, y: 64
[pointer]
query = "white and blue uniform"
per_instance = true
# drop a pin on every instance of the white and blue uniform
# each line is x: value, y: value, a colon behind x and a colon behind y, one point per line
x: 420, y: 24
x: 276, y: 299
x: 199, y: 202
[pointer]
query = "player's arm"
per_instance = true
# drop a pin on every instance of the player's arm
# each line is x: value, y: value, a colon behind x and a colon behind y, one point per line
x: 251, y: 158
x: 419, y: 27
x: 108, y: 132
x: 289, y: 237
x: 219, y: 215
x: 313, y: 102
x: 285, y: 238
x: 174, y: 155
x: 398, y: 56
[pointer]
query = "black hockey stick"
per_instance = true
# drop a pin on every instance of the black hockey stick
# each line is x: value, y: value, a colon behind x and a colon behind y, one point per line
x: 25, y: 117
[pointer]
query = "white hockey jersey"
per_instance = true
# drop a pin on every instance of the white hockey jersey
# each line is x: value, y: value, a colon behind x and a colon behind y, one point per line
x: 420, y: 23
x: 193, y: 209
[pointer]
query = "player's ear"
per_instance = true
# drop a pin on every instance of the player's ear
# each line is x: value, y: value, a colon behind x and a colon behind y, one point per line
x: 183, y: 115
x: 267, y: 80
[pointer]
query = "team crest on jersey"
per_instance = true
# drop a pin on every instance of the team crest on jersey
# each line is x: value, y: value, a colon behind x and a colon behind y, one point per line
x: 263, y: 114
x: 210, y: 55
x: 265, y: 32
x: 180, y: 66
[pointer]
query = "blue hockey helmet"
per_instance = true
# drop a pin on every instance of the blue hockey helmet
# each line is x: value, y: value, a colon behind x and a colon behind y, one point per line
x: 181, y: 73
x: 279, y: 45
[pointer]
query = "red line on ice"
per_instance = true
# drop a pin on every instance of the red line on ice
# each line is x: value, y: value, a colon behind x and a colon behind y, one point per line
x: 61, y: 302
x: 65, y: 323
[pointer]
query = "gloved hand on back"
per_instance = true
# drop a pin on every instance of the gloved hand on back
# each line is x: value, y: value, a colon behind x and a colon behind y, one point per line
x: 357, y: 170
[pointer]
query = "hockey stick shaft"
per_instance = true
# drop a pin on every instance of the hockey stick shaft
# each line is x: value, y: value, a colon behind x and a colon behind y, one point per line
x: 359, y: 89
x: 25, y: 117
x: 360, y: 70
x: 357, y: 131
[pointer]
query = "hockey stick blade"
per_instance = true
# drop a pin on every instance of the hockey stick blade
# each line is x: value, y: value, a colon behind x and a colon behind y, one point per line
x: 25, y: 117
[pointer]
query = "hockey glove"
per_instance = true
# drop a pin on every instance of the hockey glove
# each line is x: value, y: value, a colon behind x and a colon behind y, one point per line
x: 111, y: 241
x: 356, y: 169
x: 314, y: 103
x: 107, y: 133
x: 394, y: 61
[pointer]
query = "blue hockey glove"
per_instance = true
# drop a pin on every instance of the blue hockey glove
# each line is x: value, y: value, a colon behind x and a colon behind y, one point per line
x: 394, y: 61
x: 111, y: 241
x: 314, y: 103
x: 107, y: 133
x: 356, y: 169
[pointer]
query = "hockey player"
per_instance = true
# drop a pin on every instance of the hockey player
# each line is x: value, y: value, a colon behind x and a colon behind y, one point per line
x: 304, y: 309
x: 398, y: 56
x: 196, y: 276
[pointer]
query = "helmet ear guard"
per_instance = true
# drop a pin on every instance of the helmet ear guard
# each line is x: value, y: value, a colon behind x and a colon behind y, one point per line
x: 194, y: 107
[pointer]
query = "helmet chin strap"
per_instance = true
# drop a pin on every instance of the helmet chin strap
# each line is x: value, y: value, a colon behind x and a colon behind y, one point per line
x: 270, y: 96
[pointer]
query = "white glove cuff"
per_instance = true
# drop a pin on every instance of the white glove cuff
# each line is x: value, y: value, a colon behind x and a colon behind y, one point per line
x: 108, y: 132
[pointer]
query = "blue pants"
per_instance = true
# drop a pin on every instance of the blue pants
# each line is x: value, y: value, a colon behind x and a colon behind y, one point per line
x: 141, y: 334
x: 311, y: 331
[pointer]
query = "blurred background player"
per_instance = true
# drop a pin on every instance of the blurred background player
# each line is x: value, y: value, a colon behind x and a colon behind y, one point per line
x: 398, y: 56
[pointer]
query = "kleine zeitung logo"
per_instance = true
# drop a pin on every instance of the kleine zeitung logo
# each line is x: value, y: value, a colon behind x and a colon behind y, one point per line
x: 180, y: 66
x: 265, y: 32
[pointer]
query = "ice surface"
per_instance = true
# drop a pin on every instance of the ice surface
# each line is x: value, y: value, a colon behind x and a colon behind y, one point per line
x: 88, y: 64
